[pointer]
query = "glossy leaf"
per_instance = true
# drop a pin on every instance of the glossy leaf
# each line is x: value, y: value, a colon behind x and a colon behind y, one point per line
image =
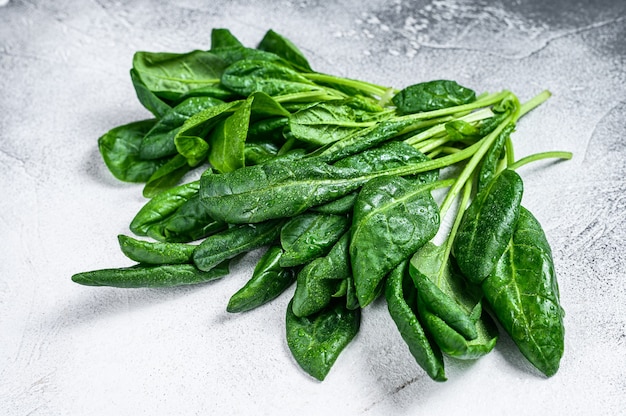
x: 392, y: 218
x: 119, y: 148
x: 524, y: 295
x: 228, y: 139
x: 278, y: 189
x: 310, y: 235
x: 283, y: 47
x: 401, y: 303
x: 162, y: 206
x: 189, y: 222
x: 327, y: 122
x: 234, y: 241
x: 147, y: 98
x: 248, y: 76
x: 166, y: 176
x: 167, y: 275
x: 317, y: 341
x: 318, y: 281
x: 159, y: 141
x: 268, y: 281
x: 223, y: 38
x: 389, y: 155
x: 149, y: 252
x: 174, y: 76
x: 194, y: 149
x: 449, y: 310
x: 441, y: 291
x: 489, y: 165
x: 432, y: 95
x: 488, y: 225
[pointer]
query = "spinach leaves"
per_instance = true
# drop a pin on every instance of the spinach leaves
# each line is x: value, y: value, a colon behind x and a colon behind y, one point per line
x: 345, y: 184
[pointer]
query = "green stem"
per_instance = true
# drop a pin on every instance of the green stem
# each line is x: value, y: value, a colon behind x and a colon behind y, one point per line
x: 306, y: 96
x: 465, y: 197
x: 534, y: 102
x: 540, y: 156
x: 440, y: 127
x: 367, y: 87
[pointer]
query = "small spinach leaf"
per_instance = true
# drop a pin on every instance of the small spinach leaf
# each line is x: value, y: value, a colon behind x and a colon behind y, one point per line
x: 432, y: 95
x: 268, y: 281
x: 316, y: 341
x: 119, y: 148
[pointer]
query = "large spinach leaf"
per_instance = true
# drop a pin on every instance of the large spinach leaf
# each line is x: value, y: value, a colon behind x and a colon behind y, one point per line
x: 524, y: 295
x: 401, y: 297
x: 173, y: 76
x: 488, y: 225
x: 317, y: 340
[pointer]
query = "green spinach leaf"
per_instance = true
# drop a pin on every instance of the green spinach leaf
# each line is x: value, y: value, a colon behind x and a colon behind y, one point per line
x: 488, y: 225
x: 119, y: 148
x: 524, y: 295
x: 392, y: 218
x: 401, y: 302
x: 432, y: 95
x: 268, y: 281
x: 316, y: 341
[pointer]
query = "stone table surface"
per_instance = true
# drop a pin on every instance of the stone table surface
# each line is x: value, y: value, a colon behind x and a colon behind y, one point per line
x: 67, y: 349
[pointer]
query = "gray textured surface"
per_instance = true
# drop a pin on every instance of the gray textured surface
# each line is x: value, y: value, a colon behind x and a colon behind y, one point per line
x: 72, y: 350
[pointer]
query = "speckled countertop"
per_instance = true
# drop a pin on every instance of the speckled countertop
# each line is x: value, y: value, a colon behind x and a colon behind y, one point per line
x: 66, y: 349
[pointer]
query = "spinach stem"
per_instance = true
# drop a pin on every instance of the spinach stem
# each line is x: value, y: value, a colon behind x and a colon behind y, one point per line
x: 465, y: 197
x: 373, y: 89
x: 540, y: 156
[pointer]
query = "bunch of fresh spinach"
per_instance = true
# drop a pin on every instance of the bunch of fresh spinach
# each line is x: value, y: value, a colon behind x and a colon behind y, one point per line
x: 334, y: 177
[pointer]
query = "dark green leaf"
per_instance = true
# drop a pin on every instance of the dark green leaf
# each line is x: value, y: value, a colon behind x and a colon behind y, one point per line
x: 448, y: 309
x: 167, y: 176
x: 283, y: 47
x: 234, y: 241
x: 524, y: 295
x: 228, y: 139
x: 174, y: 76
x: 223, y: 38
x: 268, y: 281
x: 488, y: 225
x: 441, y: 291
x: 317, y: 282
x: 489, y: 165
x: 147, y: 98
x: 120, y: 150
x: 194, y: 149
x: 327, y: 122
x: 389, y: 155
x: 189, y: 223
x: 282, y: 188
x: 148, y: 252
x: 432, y: 95
x: 310, y: 235
x: 248, y: 76
x: 151, y: 276
x: 161, y: 207
x: 316, y: 341
x: 159, y: 141
x: 401, y: 302
x: 392, y: 218
x: 202, y: 122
